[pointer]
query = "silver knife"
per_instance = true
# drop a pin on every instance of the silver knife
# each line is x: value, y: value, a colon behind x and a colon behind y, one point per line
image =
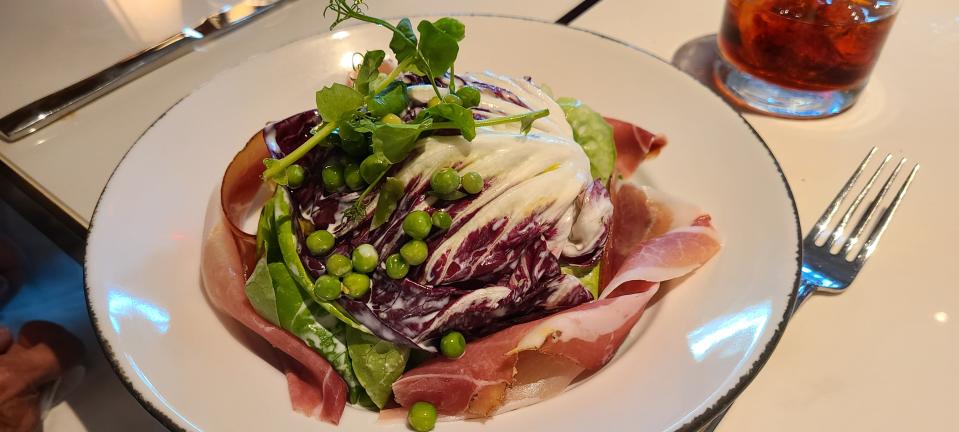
x: 48, y: 109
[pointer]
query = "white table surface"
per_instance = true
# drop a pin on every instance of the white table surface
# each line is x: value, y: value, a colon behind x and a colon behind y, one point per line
x: 879, y: 358
x: 883, y: 356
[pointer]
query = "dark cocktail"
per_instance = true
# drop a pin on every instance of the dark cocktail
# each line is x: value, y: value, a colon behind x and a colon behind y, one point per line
x: 801, y: 58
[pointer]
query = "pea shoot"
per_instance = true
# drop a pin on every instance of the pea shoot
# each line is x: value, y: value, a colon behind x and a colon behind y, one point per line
x: 422, y: 417
x: 365, y: 258
x: 417, y: 224
x: 414, y: 252
x: 319, y: 242
x: 469, y: 95
x: 453, y: 344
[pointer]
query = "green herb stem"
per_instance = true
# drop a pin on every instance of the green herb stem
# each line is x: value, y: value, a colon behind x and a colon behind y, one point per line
x: 300, y: 151
x: 393, y: 74
x: 530, y: 116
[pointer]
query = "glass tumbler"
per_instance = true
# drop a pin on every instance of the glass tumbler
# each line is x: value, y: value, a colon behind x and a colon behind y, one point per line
x: 800, y: 58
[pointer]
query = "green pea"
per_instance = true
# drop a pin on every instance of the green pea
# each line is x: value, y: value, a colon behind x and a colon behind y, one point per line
x: 469, y: 95
x: 392, y: 119
x: 453, y: 344
x: 365, y: 258
x: 320, y: 242
x: 453, y: 99
x: 434, y: 102
x: 442, y: 219
x: 445, y: 181
x: 473, y: 182
x: 295, y: 175
x: 332, y: 177
x: 396, y: 267
x: 328, y: 287
x: 422, y: 417
x: 374, y: 165
x: 357, y: 284
x: 352, y: 177
x: 414, y: 252
x: 417, y: 224
x: 338, y: 265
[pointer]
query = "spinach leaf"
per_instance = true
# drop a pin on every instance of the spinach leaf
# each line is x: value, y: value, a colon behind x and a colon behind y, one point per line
x: 299, y: 314
x: 438, y: 49
x: 461, y: 118
x: 259, y: 290
x: 377, y: 364
x: 337, y: 100
x: 592, y: 133
x: 369, y: 70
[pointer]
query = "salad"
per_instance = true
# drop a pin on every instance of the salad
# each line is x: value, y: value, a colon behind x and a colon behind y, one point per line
x: 439, y: 244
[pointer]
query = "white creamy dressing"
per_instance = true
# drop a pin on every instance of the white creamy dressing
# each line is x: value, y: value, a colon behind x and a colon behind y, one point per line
x: 583, y: 234
x: 542, y: 172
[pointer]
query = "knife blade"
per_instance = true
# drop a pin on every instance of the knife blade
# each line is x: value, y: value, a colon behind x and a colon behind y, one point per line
x: 48, y: 109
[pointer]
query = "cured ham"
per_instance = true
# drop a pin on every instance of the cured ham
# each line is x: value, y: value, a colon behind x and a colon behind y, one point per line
x: 316, y: 389
x: 634, y: 145
x: 482, y: 382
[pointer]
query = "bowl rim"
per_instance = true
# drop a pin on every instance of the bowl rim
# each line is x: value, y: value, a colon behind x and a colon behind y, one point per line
x: 694, y: 425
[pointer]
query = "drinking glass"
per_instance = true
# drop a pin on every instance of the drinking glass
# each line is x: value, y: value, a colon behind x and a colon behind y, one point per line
x: 800, y: 58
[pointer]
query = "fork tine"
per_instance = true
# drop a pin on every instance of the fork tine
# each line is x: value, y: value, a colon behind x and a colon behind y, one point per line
x: 826, y: 217
x: 887, y: 215
x: 853, y: 239
x: 837, y: 233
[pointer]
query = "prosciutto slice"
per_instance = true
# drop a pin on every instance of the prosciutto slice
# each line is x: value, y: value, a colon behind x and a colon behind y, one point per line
x: 483, y: 381
x: 316, y: 390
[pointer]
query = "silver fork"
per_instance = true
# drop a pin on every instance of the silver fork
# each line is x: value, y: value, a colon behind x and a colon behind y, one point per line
x: 829, y: 263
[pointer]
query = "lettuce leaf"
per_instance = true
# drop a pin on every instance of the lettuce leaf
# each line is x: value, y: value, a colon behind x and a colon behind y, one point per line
x: 592, y: 133
x: 377, y: 364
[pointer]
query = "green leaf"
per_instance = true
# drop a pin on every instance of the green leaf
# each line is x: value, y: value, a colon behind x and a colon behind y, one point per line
x: 259, y: 290
x: 369, y: 70
x: 593, y: 134
x: 389, y: 196
x: 280, y: 177
x: 588, y: 277
x: 461, y: 118
x: 438, y: 48
x: 336, y: 101
x: 299, y: 314
x: 393, y: 100
x: 377, y: 364
x: 396, y: 141
x: 452, y: 27
x: 403, y: 42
